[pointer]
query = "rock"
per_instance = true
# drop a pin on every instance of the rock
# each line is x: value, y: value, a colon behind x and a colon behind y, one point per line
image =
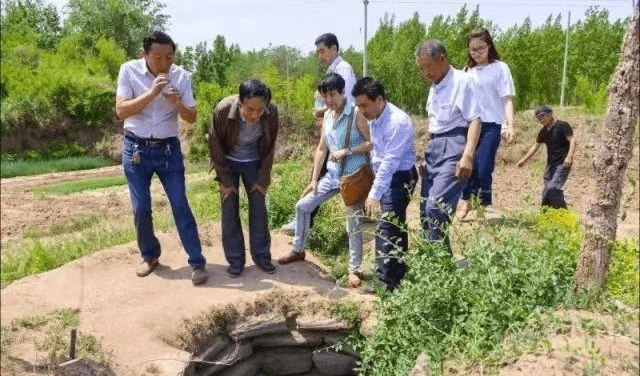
x: 294, y: 338
x: 298, y: 361
x: 331, y: 363
x: 83, y: 367
x: 260, y: 328
x: 232, y: 354
x: 308, y: 323
x: 247, y: 367
x: 422, y: 367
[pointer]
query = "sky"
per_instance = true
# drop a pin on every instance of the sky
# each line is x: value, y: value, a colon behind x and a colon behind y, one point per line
x: 256, y: 24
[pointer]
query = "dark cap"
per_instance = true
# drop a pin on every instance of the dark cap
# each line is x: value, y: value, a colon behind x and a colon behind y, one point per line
x: 542, y: 110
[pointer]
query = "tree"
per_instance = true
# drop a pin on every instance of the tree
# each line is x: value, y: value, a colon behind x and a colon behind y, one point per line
x: 610, y: 163
x: 21, y: 15
x: 125, y: 21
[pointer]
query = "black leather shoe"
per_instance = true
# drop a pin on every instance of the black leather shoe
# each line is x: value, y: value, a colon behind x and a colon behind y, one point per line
x: 267, y: 267
x: 234, y: 272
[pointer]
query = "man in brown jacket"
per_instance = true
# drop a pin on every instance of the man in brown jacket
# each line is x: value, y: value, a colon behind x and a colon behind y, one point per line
x: 242, y: 141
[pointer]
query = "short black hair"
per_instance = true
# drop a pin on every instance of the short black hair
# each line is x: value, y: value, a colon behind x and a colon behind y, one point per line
x: 331, y: 82
x: 370, y: 87
x: 157, y: 37
x: 254, y: 88
x: 328, y: 39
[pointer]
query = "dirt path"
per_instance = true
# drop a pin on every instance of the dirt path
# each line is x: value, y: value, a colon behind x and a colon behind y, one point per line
x: 131, y: 315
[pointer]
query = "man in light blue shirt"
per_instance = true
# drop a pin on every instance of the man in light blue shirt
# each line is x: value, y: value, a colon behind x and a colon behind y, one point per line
x: 454, y: 129
x: 392, y: 160
x: 152, y: 92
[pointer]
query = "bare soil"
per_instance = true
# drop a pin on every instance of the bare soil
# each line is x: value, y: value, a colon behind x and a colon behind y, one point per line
x: 131, y: 315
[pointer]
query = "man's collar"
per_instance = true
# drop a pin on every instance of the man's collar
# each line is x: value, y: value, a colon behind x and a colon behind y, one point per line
x: 445, y: 79
x: 335, y: 62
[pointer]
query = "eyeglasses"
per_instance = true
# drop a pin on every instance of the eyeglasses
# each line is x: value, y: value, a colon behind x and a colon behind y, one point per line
x: 478, y: 49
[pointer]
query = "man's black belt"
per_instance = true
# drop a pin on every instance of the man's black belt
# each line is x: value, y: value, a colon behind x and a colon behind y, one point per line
x: 149, y: 142
x: 452, y: 132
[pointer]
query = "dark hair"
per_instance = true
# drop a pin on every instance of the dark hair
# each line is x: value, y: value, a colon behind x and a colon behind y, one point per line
x: 370, y: 87
x: 432, y: 47
x: 328, y: 39
x: 485, y: 37
x: 254, y: 88
x: 157, y: 37
x: 543, y: 110
x: 331, y: 82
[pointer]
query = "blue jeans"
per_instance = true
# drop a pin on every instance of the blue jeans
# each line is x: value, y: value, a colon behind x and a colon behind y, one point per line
x: 167, y: 162
x: 232, y: 236
x: 482, y: 176
x: 552, y: 192
x: 441, y: 189
x: 392, y: 239
x: 328, y: 186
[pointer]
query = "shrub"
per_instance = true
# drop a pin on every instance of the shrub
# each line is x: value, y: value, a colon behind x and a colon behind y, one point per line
x: 622, y: 277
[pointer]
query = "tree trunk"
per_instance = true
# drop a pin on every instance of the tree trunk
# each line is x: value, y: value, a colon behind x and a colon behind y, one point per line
x: 610, y: 163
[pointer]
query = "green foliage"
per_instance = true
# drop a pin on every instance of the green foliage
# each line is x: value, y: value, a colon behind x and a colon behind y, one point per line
x: 125, y: 21
x: 449, y: 311
x: 593, y: 99
x: 287, y: 183
x: 208, y: 94
x: 81, y: 186
x: 622, y: 278
x: 27, y: 167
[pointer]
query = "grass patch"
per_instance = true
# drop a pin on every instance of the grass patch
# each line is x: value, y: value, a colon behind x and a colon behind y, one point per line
x: 80, y: 186
x: 623, y: 276
x: 10, y: 169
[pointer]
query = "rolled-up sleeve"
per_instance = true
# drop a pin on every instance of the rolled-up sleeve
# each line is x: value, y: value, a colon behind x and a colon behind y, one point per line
x: 124, y: 90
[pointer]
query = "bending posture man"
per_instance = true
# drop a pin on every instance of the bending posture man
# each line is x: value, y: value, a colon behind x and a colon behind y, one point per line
x: 393, y: 161
x: 561, y: 145
x: 151, y: 93
x: 454, y: 130
x: 242, y: 141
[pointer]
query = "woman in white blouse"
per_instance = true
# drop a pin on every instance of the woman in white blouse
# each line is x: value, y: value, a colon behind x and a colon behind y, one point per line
x: 494, y: 90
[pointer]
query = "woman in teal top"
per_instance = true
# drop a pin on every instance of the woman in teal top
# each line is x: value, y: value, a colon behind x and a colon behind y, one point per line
x: 320, y: 190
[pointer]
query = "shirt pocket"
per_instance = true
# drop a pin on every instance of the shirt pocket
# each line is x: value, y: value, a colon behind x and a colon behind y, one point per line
x: 444, y: 112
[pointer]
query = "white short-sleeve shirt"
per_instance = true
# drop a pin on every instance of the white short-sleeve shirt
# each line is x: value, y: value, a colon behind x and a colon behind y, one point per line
x: 493, y: 82
x: 159, y: 119
x: 452, y: 102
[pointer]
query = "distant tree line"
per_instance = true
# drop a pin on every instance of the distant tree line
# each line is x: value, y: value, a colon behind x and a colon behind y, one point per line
x: 54, y: 71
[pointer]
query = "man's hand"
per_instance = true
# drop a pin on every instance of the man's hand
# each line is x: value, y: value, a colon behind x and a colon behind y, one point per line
x: 159, y: 83
x: 319, y: 112
x: 508, y: 134
x: 568, y: 162
x: 225, y: 192
x: 260, y: 189
x: 312, y: 187
x: 464, y: 167
x: 173, y: 97
x: 372, y: 207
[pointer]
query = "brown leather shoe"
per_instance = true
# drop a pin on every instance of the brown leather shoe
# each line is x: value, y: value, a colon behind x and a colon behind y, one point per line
x: 146, y: 267
x: 291, y: 257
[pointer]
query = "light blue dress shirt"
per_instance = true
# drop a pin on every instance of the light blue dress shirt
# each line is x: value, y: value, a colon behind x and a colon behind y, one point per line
x: 159, y: 119
x: 452, y: 102
x: 392, y: 137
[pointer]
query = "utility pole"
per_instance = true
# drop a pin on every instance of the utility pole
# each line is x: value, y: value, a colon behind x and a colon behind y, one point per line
x: 566, y: 58
x: 364, y: 56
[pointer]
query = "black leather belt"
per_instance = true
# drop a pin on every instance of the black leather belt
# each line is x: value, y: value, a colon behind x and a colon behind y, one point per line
x: 149, y: 142
x: 452, y: 132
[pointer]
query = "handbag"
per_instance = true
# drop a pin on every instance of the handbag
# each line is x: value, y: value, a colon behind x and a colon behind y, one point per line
x: 355, y: 187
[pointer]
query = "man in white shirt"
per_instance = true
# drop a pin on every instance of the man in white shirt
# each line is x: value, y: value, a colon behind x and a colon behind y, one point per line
x: 152, y: 92
x: 454, y: 130
x: 328, y: 52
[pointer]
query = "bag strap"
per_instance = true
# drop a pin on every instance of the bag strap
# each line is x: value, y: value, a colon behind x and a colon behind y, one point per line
x: 347, y: 137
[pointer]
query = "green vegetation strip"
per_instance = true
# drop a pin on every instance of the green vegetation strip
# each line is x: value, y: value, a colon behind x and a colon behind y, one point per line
x: 80, y: 185
x: 11, y: 169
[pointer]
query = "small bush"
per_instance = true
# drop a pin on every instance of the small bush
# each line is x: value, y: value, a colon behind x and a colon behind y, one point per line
x: 622, y: 278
